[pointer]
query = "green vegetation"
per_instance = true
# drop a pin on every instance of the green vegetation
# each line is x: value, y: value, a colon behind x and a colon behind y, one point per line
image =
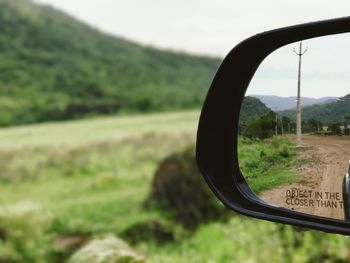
x: 266, y: 164
x: 330, y: 113
x: 179, y: 188
x: 260, y: 127
x: 92, y: 131
x: 51, y: 193
x: 252, y: 108
x: 56, y: 68
x: 258, y: 121
x: 55, y: 197
x: 75, y: 186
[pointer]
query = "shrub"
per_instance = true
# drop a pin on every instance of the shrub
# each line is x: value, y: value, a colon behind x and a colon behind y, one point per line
x: 150, y: 230
x: 262, y: 127
x: 178, y: 187
x: 335, y: 129
x: 284, y: 152
x: 23, y: 233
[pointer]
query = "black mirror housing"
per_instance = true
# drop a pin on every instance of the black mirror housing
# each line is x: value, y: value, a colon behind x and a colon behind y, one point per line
x: 216, y: 149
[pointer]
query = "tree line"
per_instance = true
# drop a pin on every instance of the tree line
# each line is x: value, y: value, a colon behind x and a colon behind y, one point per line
x: 272, y: 123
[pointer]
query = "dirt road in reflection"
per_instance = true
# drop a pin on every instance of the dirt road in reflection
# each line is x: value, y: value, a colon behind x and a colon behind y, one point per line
x: 320, y: 191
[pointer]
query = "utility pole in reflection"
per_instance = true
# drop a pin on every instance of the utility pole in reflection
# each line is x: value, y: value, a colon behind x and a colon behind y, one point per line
x: 276, y: 122
x: 282, y: 131
x: 298, y: 119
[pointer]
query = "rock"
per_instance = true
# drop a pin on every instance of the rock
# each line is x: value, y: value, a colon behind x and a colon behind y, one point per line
x: 71, y: 242
x: 66, y: 245
x: 109, y: 249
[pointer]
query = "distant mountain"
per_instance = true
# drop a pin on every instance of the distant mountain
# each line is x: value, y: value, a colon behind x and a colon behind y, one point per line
x: 327, y: 113
x: 286, y: 103
x: 53, y: 67
x: 251, y: 109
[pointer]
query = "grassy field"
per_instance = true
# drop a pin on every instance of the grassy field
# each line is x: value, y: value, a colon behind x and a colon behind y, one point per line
x: 84, y: 132
x: 65, y: 182
x: 266, y: 164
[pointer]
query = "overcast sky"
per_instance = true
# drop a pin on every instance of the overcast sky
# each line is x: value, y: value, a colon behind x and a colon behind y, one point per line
x: 214, y: 27
x: 325, y: 69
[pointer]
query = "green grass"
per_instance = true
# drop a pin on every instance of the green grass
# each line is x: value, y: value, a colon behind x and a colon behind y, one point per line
x: 267, y: 163
x: 86, y: 131
x: 55, y: 189
x: 89, y: 184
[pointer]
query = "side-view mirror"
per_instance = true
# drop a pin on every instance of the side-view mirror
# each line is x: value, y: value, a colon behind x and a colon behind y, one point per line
x: 273, y: 138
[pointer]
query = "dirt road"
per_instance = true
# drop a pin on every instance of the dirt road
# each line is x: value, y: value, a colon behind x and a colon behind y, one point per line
x: 320, y: 190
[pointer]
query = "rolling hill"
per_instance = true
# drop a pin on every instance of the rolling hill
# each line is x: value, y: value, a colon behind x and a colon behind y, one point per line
x: 327, y: 113
x: 286, y: 103
x: 53, y: 67
x: 251, y: 109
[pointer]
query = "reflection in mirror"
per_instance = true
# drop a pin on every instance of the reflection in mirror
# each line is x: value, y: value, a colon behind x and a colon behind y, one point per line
x: 294, y: 142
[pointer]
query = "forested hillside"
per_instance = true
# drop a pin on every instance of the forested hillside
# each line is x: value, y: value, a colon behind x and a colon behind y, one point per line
x: 334, y: 112
x: 252, y: 108
x: 52, y: 67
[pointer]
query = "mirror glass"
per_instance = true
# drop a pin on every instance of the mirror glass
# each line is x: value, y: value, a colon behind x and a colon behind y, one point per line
x: 294, y: 133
